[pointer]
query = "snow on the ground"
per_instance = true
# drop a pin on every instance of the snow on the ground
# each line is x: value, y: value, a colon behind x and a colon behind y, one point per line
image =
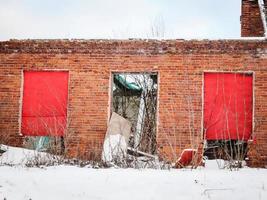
x: 20, y: 156
x: 71, y: 182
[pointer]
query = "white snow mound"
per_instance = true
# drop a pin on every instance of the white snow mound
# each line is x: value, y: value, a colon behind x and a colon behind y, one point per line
x: 20, y: 156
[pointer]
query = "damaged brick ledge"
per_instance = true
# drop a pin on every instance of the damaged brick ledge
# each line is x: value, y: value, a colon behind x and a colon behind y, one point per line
x: 136, y: 46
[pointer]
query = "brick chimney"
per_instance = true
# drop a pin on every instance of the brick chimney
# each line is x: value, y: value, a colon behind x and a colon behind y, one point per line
x: 251, y: 19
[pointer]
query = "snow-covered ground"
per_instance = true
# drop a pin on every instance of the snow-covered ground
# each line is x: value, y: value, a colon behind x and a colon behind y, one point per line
x: 71, y: 182
x: 20, y: 156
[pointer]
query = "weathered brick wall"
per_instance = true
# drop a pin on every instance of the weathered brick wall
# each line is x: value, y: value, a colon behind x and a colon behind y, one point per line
x: 180, y: 65
x: 251, y: 22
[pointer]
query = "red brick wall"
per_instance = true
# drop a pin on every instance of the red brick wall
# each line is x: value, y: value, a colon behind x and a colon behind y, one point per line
x: 251, y: 22
x: 180, y: 65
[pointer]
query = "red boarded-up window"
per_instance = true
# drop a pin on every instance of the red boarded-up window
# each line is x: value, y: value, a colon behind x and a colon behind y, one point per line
x: 228, y: 99
x: 44, y: 108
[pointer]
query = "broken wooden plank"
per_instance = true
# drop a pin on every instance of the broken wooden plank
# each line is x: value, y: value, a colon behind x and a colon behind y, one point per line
x: 140, y: 153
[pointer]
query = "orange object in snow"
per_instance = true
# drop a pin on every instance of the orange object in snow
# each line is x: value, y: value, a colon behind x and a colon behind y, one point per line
x: 186, y: 158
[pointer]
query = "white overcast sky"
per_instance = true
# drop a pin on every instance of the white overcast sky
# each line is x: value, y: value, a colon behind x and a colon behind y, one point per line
x: 119, y: 19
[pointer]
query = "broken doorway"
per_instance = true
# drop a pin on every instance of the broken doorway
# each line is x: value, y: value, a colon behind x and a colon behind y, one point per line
x: 134, y: 97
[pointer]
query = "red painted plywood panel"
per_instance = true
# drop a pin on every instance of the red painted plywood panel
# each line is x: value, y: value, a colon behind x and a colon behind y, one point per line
x: 44, y: 108
x: 228, y: 104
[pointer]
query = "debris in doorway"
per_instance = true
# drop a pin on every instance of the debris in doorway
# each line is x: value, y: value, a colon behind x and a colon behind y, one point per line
x: 114, y: 148
x: 117, y: 138
x: 134, y: 97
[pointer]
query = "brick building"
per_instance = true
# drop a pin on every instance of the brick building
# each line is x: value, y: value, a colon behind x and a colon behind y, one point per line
x: 191, y: 111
